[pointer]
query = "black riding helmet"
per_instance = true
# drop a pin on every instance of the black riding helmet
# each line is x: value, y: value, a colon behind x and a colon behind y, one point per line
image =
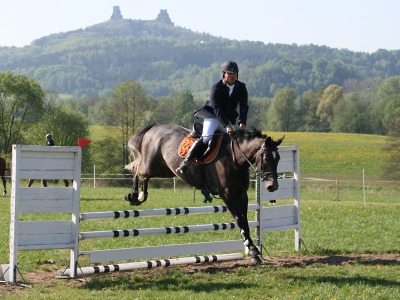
x: 230, y: 67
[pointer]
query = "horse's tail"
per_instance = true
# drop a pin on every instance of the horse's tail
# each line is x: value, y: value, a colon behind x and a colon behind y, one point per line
x: 135, y: 144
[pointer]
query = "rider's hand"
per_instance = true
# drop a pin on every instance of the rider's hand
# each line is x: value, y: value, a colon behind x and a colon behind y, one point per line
x: 229, y: 129
x: 242, y: 126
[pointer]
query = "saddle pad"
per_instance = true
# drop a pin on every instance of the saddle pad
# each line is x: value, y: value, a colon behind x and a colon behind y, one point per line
x: 188, y: 141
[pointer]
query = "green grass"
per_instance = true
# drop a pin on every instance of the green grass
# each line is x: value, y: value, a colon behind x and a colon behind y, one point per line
x: 343, y: 155
x: 336, y: 222
x: 329, y: 227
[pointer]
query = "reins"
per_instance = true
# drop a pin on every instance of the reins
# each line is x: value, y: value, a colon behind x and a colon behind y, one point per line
x: 233, y: 141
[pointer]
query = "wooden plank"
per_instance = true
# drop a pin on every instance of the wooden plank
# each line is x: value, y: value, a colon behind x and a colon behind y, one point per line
x: 45, y: 233
x: 162, y: 251
x: 278, y: 218
x: 277, y: 212
x: 286, y: 190
x: 54, y: 174
x: 46, y: 200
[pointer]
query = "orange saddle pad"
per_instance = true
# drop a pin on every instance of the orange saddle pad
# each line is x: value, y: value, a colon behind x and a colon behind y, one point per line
x: 188, y: 142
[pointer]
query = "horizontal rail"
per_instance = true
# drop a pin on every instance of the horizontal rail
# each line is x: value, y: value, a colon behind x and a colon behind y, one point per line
x: 157, y: 231
x: 157, y: 212
x: 155, y: 263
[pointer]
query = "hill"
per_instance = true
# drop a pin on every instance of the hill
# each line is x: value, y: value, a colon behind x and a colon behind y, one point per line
x: 165, y: 58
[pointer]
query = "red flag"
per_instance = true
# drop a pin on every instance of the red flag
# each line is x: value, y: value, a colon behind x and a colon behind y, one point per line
x: 83, y: 142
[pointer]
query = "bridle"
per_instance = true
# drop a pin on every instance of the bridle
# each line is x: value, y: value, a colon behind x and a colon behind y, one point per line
x: 275, y: 155
x: 264, y: 174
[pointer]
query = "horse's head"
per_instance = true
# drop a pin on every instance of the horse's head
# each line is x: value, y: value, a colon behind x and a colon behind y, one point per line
x: 268, y: 163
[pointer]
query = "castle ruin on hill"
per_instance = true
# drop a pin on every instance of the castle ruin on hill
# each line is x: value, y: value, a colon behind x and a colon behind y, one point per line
x: 162, y: 17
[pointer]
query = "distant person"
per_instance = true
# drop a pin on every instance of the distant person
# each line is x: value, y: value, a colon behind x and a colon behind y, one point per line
x: 207, y: 196
x: 220, y: 112
x: 49, y: 140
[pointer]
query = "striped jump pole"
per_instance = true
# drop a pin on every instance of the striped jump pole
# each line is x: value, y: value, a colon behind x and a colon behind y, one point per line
x: 158, y: 212
x: 158, y: 231
x: 156, y: 263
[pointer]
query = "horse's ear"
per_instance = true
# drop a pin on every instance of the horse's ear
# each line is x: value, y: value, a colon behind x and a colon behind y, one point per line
x: 278, y: 142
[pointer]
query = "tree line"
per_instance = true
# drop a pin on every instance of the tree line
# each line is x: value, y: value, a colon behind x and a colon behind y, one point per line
x: 166, y: 59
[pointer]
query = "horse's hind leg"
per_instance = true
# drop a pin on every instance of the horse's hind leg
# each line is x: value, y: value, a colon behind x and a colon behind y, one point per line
x: 133, y: 196
x: 143, y: 194
x: 4, y: 185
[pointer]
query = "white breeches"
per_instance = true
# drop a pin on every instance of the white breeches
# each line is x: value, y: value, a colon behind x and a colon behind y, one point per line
x: 210, y: 125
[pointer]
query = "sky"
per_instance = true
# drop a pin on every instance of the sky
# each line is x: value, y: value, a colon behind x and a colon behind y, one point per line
x: 356, y: 25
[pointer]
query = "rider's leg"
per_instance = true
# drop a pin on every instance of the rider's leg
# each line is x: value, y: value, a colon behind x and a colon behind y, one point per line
x: 195, y: 151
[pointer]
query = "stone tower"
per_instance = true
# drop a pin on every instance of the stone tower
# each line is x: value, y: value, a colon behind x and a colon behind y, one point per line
x: 163, y: 17
x: 116, y: 13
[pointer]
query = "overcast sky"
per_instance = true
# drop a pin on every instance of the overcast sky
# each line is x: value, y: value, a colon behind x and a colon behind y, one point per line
x: 356, y: 25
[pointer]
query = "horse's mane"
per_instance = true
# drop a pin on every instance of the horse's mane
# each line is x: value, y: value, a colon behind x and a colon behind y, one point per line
x: 248, y: 135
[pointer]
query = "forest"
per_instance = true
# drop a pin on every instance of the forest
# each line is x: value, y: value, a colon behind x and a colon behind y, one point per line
x: 167, y: 59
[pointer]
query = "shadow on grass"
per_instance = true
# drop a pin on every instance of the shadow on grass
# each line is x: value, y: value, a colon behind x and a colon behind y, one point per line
x: 172, y: 280
x: 346, y: 280
x: 368, y: 259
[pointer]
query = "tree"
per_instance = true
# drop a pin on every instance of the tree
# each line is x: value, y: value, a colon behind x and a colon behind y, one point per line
x: 65, y: 124
x: 283, y: 111
x: 184, y: 107
x: 389, y: 94
x: 130, y: 110
x: 307, y: 110
x: 21, y: 103
x: 331, y: 95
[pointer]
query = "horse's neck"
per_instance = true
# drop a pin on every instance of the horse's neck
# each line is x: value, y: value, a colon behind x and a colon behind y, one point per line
x: 246, y: 151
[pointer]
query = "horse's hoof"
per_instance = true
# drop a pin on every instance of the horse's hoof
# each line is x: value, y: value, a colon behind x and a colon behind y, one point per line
x: 142, y: 197
x: 128, y: 197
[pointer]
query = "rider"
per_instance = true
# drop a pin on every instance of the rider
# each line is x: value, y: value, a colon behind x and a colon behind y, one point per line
x: 225, y: 96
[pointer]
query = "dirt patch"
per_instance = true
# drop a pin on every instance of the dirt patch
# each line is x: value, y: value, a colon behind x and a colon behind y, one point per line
x: 286, y: 262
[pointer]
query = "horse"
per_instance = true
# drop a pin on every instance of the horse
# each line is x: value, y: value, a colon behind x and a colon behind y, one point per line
x: 3, y: 168
x: 44, y: 181
x: 154, y: 153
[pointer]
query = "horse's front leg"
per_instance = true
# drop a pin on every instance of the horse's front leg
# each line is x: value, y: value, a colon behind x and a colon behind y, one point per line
x: 239, y: 212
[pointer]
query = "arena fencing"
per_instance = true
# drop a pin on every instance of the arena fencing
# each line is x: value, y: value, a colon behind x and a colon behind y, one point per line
x: 41, y: 162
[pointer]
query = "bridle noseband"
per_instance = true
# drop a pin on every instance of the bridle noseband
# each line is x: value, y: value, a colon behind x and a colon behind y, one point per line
x: 264, y: 150
x: 275, y: 155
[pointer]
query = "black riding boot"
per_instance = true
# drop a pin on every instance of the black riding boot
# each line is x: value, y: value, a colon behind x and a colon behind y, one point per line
x: 196, y: 151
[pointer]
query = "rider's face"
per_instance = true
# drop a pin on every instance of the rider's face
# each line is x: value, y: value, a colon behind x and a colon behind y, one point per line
x: 230, y: 78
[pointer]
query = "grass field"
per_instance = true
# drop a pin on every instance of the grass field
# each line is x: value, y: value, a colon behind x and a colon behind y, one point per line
x: 350, y: 238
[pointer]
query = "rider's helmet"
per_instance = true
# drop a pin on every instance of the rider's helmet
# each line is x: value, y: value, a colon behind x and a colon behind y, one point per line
x: 230, y: 67
x: 48, y: 136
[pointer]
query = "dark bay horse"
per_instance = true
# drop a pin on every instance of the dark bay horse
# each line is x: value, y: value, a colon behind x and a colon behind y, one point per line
x: 44, y: 182
x: 154, y: 153
x: 3, y: 167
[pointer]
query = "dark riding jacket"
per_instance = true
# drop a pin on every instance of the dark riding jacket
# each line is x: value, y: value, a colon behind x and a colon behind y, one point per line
x: 224, y: 106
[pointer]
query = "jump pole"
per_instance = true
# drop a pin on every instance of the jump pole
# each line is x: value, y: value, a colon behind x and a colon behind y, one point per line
x: 156, y: 263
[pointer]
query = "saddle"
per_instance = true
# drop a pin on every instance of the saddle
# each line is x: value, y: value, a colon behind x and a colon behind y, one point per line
x: 213, y: 145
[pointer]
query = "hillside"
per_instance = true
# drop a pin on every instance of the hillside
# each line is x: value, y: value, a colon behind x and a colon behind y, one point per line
x: 322, y: 155
x: 165, y: 58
